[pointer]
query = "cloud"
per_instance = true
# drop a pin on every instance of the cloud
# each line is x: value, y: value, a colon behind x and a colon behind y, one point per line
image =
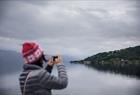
x: 11, y: 43
x: 78, y: 28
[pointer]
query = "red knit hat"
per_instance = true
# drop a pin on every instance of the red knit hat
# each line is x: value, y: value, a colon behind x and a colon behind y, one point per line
x: 31, y: 52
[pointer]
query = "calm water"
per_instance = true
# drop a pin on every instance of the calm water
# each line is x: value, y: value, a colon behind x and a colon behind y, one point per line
x: 82, y: 81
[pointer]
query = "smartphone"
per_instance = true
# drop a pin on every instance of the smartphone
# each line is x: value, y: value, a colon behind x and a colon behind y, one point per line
x: 55, y: 57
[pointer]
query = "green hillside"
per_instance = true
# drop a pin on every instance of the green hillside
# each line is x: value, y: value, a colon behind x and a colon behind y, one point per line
x: 125, y: 61
x: 129, y: 55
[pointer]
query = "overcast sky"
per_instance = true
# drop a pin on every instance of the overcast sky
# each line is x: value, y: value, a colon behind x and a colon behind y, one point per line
x: 78, y: 28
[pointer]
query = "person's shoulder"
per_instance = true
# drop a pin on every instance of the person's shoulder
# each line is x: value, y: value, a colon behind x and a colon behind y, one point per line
x: 23, y: 73
x: 37, y: 73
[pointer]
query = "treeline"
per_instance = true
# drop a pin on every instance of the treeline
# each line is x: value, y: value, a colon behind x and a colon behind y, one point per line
x: 131, y: 53
x: 125, y: 61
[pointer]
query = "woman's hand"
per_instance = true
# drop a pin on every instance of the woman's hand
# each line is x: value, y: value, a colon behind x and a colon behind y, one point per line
x: 58, y: 60
x: 50, y: 62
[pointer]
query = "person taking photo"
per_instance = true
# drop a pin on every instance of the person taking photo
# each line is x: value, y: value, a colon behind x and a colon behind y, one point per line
x: 36, y: 79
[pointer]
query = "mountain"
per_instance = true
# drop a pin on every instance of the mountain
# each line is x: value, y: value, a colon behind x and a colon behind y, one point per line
x: 125, y: 61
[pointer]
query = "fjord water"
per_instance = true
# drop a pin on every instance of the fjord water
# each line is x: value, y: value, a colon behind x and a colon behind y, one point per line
x: 82, y: 81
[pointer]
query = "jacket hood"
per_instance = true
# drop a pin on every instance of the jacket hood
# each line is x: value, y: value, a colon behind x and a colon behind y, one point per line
x: 31, y: 67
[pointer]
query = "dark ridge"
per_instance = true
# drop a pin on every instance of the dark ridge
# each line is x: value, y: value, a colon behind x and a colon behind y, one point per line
x: 124, y: 61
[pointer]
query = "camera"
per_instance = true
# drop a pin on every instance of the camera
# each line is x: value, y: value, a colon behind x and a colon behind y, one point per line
x: 54, y: 57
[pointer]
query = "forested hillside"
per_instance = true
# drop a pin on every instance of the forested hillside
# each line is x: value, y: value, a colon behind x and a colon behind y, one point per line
x: 125, y: 61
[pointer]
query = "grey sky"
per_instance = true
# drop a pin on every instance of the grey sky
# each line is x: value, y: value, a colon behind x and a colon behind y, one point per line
x: 78, y: 28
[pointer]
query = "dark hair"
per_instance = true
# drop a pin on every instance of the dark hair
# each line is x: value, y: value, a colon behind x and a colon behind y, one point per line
x: 39, y: 62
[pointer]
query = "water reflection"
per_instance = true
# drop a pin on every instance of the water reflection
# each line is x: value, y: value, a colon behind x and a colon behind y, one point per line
x: 130, y: 71
x: 82, y: 81
x: 9, y: 84
x: 87, y: 81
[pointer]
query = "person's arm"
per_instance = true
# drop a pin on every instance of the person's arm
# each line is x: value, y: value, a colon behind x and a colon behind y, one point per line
x: 49, y: 68
x: 51, y: 82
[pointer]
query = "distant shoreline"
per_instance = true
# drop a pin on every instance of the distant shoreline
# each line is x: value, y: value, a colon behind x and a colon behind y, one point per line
x: 124, y: 61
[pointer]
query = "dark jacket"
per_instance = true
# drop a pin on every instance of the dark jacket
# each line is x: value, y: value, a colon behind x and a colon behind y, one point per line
x: 40, y: 81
